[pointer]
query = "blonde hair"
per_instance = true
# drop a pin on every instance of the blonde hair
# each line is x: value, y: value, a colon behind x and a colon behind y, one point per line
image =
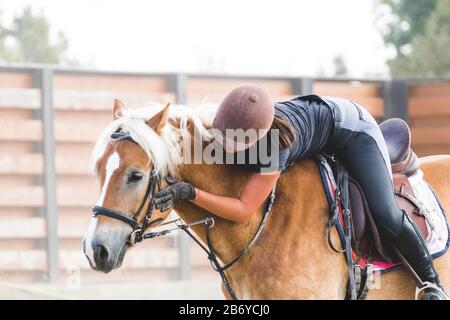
x: 164, y: 149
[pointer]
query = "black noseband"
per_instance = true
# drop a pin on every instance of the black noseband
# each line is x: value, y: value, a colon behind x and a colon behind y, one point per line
x: 116, y: 215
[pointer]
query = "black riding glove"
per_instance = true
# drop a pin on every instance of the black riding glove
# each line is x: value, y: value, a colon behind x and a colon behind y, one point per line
x: 176, y: 191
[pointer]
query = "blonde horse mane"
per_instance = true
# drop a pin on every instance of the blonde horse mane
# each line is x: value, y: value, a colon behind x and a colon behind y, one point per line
x: 164, y: 150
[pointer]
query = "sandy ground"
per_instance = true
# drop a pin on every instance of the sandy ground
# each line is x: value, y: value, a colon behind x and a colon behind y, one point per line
x: 154, y: 291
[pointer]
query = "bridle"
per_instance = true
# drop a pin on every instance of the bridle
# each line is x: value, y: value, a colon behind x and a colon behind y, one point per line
x: 138, y: 234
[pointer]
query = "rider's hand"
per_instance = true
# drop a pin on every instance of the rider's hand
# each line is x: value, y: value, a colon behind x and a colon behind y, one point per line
x: 176, y: 191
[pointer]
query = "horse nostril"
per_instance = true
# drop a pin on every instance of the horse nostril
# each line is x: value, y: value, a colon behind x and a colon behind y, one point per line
x: 101, y: 254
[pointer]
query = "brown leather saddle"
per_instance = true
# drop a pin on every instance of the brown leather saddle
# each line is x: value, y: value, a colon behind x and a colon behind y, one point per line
x: 366, y: 240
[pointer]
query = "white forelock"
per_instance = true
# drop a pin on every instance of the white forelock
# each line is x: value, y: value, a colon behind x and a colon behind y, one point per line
x: 164, y: 150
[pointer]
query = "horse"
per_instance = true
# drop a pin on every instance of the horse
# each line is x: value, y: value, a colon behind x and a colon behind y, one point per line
x: 290, y: 260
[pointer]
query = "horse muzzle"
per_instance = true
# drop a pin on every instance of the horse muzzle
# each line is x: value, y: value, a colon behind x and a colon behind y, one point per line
x: 104, y: 259
x: 105, y: 251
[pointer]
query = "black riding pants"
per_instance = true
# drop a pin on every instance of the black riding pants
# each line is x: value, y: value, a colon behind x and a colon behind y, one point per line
x: 365, y: 163
x: 358, y: 142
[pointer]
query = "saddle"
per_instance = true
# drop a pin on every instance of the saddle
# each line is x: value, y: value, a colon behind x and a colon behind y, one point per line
x: 366, y: 238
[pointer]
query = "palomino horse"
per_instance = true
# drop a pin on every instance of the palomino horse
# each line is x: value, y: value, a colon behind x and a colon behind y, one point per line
x: 291, y: 259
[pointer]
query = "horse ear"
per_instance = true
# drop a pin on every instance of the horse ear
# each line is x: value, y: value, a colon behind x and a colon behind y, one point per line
x: 159, y: 120
x: 118, y: 108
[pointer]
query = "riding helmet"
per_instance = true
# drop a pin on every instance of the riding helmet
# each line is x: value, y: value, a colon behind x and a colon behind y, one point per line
x: 245, y: 107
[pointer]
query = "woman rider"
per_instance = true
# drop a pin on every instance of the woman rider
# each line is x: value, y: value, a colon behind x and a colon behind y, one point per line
x: 307, y: 126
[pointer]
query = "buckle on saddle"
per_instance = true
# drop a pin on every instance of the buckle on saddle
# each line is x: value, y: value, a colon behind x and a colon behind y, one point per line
x: 136, y: 237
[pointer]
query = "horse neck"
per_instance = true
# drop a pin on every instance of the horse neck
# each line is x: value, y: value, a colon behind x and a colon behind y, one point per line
x: 292, y: 244
x: 228, y: 237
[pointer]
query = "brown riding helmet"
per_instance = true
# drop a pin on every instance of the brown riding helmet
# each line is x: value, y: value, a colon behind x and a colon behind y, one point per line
x: 246, y: 107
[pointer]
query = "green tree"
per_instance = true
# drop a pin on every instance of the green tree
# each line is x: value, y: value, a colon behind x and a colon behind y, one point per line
x: 430, y: 55
x: 419, y: 31
x: 28, y: 40
x: 407, y: 19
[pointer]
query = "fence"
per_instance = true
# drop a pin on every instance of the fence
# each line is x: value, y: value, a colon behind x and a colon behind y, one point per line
x: 50, y: 119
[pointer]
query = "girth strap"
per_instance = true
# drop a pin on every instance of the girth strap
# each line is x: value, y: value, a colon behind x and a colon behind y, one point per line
x: 341, y: 200
x: 342, y: 183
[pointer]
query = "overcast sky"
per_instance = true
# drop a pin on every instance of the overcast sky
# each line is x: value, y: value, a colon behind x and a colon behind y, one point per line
x: 273, y: 37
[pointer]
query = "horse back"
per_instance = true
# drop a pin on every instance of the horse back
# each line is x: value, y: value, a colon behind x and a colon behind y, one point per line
x: 436, y: 171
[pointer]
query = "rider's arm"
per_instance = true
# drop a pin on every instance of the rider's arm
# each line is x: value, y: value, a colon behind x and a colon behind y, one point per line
x: 240, y: 209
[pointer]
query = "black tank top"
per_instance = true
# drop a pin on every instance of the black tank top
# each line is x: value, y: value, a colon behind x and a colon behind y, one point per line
x: 313, y: 122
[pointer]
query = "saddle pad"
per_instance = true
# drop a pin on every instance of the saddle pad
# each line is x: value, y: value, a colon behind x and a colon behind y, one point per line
x: 438, y: 240
x: 436, y: 220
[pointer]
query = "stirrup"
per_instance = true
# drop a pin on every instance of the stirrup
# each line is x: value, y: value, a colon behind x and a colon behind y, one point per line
x: 439, y: 292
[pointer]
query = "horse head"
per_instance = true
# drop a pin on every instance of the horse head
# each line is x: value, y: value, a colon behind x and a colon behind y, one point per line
x: 130, y: 155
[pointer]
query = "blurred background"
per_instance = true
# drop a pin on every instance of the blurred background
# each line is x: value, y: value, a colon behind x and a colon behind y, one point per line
x: 63, y: 62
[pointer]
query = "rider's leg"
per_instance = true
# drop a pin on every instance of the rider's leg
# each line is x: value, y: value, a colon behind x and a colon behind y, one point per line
x: 365, y: 164
x: 360, y: 145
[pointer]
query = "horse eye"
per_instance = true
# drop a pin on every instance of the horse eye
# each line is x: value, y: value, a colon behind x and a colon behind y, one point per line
x: 134, y: 177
